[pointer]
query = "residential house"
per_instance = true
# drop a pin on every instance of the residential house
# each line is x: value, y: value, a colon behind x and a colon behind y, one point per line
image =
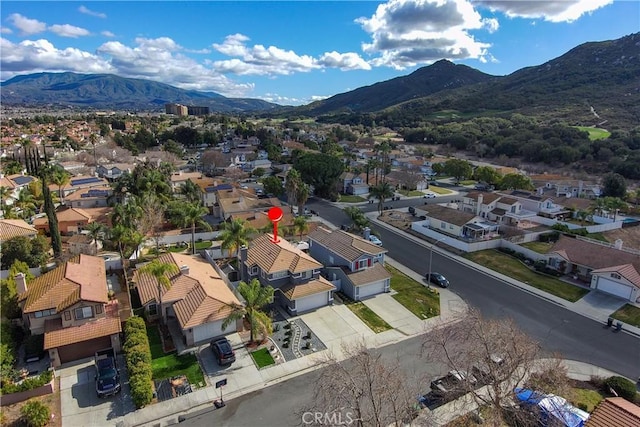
x: 236, y: 201
x: 74, y: 220
x: 352, y: 263
x: 613, y: 270
x: 96, y: 197
x: 294, y: 274
x: 351, y: 183
x: 114, y: 171
x: 614, y: 411
x: 540, y: 204
x: 252, y: 165
x: 10, y: 228
x: 180, y: 178
x: 559, y: 186
x: 82, y: 244
x: 199, y: 300
x: 499, y: 208
x: 70, y: 306
x: 78, y: 183
x: 456, y: 223
x: 13, y: 184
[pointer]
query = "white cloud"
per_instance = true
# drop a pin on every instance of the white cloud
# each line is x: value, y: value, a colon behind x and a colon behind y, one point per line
x: 107, y: 34
x: 549, y: 10
x: 282, y: 100
x: 5, y: 30
x: 25, y: 25
x: 87, y: 11
x: 344, y: 61
x: 405, y: 33
x: 67, y: 30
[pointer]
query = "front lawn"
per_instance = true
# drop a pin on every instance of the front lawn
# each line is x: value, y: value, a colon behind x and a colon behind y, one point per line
x: 585, y: 398
x: 206, y: 244
x: 262, y: 357
x: 411, y: 193
x: 167, y: 365
x: 439, y: 190
x: 368, y: 316
x: 629, y: 314
x: 539, y: 247
x: 348, y: 198
x: 422, y: 301
x: 513, y: 268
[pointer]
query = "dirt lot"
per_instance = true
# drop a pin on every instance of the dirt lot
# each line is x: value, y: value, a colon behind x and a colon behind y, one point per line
x: 630, y: 237
x: 11, y: 414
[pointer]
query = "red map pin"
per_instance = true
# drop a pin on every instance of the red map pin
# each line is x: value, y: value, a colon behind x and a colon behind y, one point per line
x: 275, y: 215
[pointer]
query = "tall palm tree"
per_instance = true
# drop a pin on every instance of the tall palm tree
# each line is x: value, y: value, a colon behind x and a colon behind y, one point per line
x: 381, y: 192
x: 235, y: 234
x: 60, y: 177
x: 192, y: 215
x: 161, y: 272
x: 96, y: 232
x: 300, y: 225
x: 26, y: 203
x: 191, y: 192
x: 302, y: 195
x: 292, y: 183
x: 256, y: 297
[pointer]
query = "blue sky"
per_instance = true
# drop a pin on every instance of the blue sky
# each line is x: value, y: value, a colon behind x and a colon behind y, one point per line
x: 294, y: 52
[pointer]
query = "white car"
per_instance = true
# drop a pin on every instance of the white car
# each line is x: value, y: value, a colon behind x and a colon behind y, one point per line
x: 374, y: 239
x: 429, y: 196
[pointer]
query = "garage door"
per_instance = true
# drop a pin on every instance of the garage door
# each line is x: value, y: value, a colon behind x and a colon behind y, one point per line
x: 82, y: 350
x: 311, y: 302
x: 209, y: 330
x: 370, y: 290
x: 614, y: 288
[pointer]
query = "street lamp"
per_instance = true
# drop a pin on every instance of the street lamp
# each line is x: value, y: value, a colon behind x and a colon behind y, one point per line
x: 431, y: 258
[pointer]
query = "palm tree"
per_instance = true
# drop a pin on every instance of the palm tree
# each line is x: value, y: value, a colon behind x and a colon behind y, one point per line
x: 235, y: 234
x: 255, y: 296
x: 26, y: 203
x: 292, y: 183
x: 302, y: 195
x: 161, y: 271
x: 582, y: 215
x: 191, y: 192
x: 60, y: 177
x: 300, y: 225
x: 381, y: 192
x: 192, y: 216
x: 96, y: 232
x: 360, y: 220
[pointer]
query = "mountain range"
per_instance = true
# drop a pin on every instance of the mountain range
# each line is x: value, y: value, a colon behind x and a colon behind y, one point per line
x: 593, y: 81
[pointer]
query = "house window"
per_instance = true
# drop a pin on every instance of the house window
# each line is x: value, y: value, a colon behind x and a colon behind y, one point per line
x: 153, y: 309
x: 67, y: 315
x: 443, y: 225
x: 44, y: 313
x: 513, y: 209
x: 362, y: 264
x: 83, y: 313
x: 254, y: 270
x: 616, y: 276
x: 279, y: 274
x: 331, y: 259
x: 98, y: 309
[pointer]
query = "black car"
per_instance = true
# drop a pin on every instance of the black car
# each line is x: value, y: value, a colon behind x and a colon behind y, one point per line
x: 107, y: 377
x: 438, y: 279
x: 223, y: 351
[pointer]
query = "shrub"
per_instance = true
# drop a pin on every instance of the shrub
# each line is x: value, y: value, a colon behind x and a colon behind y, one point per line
x: 622, y: 386
x: 135, y: 340
x: 28, y: 384
x: 36, y: 413
x: 141, y: 390
x: 133, y: 324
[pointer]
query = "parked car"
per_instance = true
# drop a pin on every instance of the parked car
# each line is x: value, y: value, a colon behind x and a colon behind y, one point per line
x: 429, y: 196
x: 438, y: 279
x: 374, y: 239
x: 107, y: 377
x: 223, y: 351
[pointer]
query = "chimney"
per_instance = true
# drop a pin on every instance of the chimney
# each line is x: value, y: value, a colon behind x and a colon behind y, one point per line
x: 366, y: 233
x: 617, y: 244
x: 479, y: 204
x: 184, y: 270
x: 21, y: 283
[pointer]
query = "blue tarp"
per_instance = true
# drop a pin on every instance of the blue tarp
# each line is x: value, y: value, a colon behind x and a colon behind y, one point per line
x: 554, y: 406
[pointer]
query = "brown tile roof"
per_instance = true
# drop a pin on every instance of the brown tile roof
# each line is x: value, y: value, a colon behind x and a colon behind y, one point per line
x: 6, y: 182
x: 235, y: 205
x: 258, y: 220
x: 614, y: 412
x: 77, y: 195
x: 10, y: 228
x: 282, y: 256
x: 344, y: 244
x: 592, y: 255
x: 294, y: 292
x: 368, y: 275
x: 82, y: 278
x: 573, y: 202
x: 184, y: 176
x: 627, y: 271
x: 57, y: 336
x: 449, y: 215
x: 507, y: 200
x: 486, y: 197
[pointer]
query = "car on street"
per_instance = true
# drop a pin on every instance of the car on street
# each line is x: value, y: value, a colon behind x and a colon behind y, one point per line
x: 437, y: 279
x: 223, y: 351
x: 374, y: 239
x: 429, y: 196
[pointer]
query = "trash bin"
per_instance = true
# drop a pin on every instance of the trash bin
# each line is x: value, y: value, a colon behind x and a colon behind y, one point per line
x: 618, y: 326
x: 610, y: 321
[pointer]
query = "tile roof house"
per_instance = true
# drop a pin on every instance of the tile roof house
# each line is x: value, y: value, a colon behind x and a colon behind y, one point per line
x: 613, y: 270
x: 352, y: 263
x: 79, y: 182
x: 236, y: 201
x: 70, y: 306
x: 73, y: 220
x: 350, y: 183
x: 10, y: 228
x: 614, y: 412
x: 457, y: 223
x: 113, y: 171
x: 96, y: 197
x: 293, y: 274
x: 198, y: 299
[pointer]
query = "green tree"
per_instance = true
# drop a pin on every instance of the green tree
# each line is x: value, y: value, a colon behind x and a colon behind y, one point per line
x: 36, y: 413
x: 614, y: 185
x: 302, y: 195
x: 300, y: 225
x: 191, y: 192
x: 9, y: 294
x: 26, y: 203
x: 487, y: 174
x: 12, y: 167
x: 192, y: 215
x: 60, y: 177
x: 273, y: 185
x: 322, y: 171
x: 516, y: 181
x: 256, y: 297
x: 258, y: 172
x: 458, y: 168
x: 96, y: 232
x: 161, y: 272
x: 234, y: 235
x: 292, y: 183
x: 382, y: 191
x: 33, y: 251
x: 359, y: 219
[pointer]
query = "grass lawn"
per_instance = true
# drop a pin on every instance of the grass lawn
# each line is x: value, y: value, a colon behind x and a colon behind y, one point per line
x: 170, y: 365
x: 439, y: 190
x: 410, y: 193
x: 511, y: 267
x: 595, y: 133
x: 589, y: 399
x: 203, y: 245
x: 368, y: 316
x: 629, y: 314
x: 262, y: 357
x: 539, y: 247
x: 417, y: 298
x: 468, y: 182
x: 177, y: 248
x: 348, y: 198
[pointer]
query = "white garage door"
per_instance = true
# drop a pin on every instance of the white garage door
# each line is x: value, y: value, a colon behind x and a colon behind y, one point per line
x: 614, y: 288
x: 370, y: 290
x: 209, y: 330
x: 311, y: 302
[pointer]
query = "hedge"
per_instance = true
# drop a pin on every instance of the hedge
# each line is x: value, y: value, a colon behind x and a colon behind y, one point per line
x: 623, y: 387
x: 137, y: 354
x: 28, y: 384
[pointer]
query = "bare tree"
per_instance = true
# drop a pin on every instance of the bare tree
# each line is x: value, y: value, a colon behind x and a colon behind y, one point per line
x: 152, y: 219
x: 487, y: 359
x: 363, y: 389
x: 212, y: 160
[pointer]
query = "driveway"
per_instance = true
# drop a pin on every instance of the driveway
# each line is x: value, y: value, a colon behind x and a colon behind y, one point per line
x: 599, y: 305
x: 80, y: 404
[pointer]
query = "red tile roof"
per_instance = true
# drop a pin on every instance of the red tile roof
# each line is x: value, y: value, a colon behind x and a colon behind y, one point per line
x: 10, y: 228
x: 615, y: 412
x: 57, y: 336
x: 282, y: 256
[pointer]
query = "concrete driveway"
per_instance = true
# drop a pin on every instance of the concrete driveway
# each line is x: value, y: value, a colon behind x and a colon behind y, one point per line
x: 80, y: 404
x: 599, y: 305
